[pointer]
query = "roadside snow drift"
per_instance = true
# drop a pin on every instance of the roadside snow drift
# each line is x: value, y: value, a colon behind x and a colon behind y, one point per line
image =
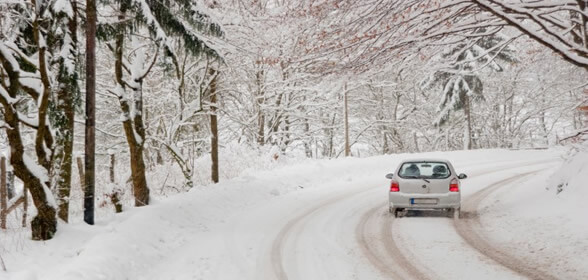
x: 301, y: 222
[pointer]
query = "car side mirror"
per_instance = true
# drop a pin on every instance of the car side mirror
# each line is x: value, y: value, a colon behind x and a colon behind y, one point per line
x: 462, y: 176
x: 390, y: 175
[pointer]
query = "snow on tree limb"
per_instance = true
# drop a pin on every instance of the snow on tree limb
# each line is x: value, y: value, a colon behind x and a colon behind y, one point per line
x: 389, y: 29
x: 544, y: 30
x: 41, y: 174
x: 187, y: 23
x: 6, y: 54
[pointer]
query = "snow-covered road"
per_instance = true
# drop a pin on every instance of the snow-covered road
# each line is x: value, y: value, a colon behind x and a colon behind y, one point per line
x: 331, y: 223
x: 352, y: 236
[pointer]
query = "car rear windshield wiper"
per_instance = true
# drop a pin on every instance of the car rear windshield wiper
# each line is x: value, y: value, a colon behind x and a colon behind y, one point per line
x: 417, y: 177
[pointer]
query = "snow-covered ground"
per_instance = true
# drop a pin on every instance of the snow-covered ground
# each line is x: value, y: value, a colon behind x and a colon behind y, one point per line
x: 327, y: 219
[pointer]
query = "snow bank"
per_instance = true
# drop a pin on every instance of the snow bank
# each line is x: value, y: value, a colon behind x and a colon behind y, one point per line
x: 543, y: 219
x: 128, y: 245
x: 571, y: 180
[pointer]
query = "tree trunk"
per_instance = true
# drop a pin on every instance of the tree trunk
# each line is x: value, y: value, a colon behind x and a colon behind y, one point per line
x: 585, y: 112
x: 308, y: 141
x: 10, y: 185
x: 132, y: 125
x: 467, y: 136
x: 81, y: 173
x: 544, y: 129
x: 44, y: 225
x: 385, y: 147
x: 140, y: 189
x: 213, y: 128
x: 135, y: 135
x: 260, y: 114
x: 416, y: 142
x: 112, y: 162
x: 41, y: 145
x: 277, y: 119
x: 63, y: 183
x: 115, y: 195
x: 115, y: 199
x: 285, y: 137
x: 25, y: 206
x: 3, y: 193
x: 345, y: 103
x: 65, y: 123
x: 331, y: 135
x: 90, y: 111
x: 447, y: 142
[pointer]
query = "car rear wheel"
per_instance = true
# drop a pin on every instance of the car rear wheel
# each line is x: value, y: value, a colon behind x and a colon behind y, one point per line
x: 456, y: 213
x: 399, y: 212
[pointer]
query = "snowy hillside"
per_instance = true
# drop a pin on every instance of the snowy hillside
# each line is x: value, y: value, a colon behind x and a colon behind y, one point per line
x: 250, y: 139
x: 324, y: 220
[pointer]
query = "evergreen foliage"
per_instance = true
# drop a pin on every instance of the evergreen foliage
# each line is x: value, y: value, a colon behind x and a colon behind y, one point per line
x: 460, y: 81
x: 166, y: 20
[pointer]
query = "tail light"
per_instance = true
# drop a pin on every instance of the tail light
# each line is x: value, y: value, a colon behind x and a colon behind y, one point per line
x: 454, y: 185
x: 394, y: 187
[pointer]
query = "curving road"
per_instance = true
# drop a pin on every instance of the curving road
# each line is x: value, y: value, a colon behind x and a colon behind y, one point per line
x: 473, y: 232
x: 352, y: 236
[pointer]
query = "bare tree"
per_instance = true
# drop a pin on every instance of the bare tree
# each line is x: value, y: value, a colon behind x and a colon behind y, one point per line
x: 561, y: 26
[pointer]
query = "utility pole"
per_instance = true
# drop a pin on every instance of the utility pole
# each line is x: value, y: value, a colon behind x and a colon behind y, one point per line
x: 347, y: 147
x: 90, y: 141
x: 213, y: 127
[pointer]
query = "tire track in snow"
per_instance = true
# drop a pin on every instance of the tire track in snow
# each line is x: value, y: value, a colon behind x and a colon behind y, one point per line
x: 393, y: 258
x: 471, y: 230
x: 277, y: 263
x: 392, y: 255
x: 392, y: 262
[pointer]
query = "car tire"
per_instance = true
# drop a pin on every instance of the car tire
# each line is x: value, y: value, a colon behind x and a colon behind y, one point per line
x: 456, y: 213
x: 397, y: 212
x: 392, y: 211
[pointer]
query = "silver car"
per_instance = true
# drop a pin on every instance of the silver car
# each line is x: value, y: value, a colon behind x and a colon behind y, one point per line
x: 425, y: 184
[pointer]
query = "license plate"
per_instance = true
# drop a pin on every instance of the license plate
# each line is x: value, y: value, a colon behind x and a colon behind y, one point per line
x: 423, y: 201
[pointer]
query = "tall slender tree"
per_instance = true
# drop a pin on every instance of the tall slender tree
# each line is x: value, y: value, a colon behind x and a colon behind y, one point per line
x: 90, y: 140
x: 62, y: 110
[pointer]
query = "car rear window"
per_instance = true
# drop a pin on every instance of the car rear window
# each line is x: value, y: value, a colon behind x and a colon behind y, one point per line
x: 429, y: 170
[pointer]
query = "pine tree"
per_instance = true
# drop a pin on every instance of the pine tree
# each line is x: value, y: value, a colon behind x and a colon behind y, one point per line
x: 460, y: 82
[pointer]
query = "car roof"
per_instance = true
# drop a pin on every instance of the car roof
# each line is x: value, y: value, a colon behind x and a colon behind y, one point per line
x: 425, y: 160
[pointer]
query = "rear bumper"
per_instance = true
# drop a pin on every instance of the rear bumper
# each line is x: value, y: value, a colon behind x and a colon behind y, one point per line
x: 403, y: 200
